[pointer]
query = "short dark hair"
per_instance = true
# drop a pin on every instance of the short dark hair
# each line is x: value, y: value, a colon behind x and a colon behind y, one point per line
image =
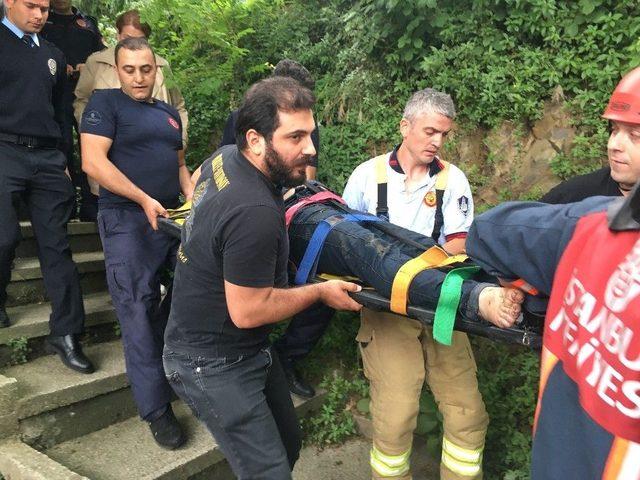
x: 133, y: 43
x: 290, y: 68
x: 263, y: 101
x: 132, y: 17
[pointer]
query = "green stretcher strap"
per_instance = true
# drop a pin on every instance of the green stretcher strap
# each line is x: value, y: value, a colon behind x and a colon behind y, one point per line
x: 448, y: 302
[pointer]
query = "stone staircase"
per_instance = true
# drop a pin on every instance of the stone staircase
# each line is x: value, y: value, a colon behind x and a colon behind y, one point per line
x: 58, y: 424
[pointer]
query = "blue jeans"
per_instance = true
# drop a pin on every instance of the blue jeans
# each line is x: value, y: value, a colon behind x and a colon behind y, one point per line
x: 244, y: 402
x: 375, y: 257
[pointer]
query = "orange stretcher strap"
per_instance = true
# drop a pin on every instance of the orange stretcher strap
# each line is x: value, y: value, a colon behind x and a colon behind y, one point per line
x: 519, y: 284
x: 433, y: 258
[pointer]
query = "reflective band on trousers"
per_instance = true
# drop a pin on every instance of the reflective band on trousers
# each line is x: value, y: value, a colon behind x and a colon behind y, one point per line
x: 389, y: 465
x: 462, y: 461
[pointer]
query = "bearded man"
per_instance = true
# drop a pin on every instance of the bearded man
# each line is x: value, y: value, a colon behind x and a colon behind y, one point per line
x: 230, y: 284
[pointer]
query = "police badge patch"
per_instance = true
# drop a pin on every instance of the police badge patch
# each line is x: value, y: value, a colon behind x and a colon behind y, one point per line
x: 53, y: 67
x: 463, y: 205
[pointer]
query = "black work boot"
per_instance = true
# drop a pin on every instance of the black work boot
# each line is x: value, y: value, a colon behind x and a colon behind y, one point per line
x: 296, y: 383
x: 4, y: 318
x: 68, y: 348
x: 166, y: 430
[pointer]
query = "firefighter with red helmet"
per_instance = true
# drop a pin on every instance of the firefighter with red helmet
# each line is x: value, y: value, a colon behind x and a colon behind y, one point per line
x: 586, y: 256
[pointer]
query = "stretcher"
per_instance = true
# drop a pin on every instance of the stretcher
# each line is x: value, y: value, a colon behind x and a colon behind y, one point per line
x: 527, y: 332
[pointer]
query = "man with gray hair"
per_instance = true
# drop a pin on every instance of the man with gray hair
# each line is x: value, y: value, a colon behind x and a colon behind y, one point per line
x: 413, y: 188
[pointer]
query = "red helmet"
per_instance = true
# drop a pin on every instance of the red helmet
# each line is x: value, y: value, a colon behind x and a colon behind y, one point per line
x: 624, y: 104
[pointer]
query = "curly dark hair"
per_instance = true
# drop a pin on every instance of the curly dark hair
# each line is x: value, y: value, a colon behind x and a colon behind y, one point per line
x: 263, y: 101
x: 295, y: 70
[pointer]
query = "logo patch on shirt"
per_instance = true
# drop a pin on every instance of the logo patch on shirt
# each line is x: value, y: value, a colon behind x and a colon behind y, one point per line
x: 430, y: 199
x: 93, y: 117
x: 81, y: 23
x: 173, y: 123
x: 53, y: 66
x: 463, y: 205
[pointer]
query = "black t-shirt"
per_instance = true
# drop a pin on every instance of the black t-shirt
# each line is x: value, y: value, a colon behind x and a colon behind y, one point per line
x: 229, y: 136
x: 235, y: 232
x: 146, y: 140
x: 583, y: 186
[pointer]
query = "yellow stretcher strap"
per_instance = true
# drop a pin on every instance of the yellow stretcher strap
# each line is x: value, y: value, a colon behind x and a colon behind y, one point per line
x: 443, y: 176
x: 180, y: 214
x: 381, y: 169
x: 433, y: 258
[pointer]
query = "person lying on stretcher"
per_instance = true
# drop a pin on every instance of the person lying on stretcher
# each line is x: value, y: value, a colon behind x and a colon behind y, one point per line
x: 373, y: 251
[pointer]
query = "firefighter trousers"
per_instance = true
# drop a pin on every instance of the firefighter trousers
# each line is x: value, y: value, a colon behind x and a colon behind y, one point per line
x: 399, y: 354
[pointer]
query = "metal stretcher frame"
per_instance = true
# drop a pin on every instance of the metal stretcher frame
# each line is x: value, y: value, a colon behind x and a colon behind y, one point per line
x: 373, y: 300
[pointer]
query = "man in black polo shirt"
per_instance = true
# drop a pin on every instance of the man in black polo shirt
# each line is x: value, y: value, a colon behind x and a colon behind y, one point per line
x: 32, y: 79
x: 132, y: 145
x: 306, y: 328
x: 77, y: 35
x: 230, y: 285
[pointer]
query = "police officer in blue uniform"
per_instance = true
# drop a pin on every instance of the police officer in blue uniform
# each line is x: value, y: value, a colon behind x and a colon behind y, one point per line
x: 77, y: 35
x: 33, y: 169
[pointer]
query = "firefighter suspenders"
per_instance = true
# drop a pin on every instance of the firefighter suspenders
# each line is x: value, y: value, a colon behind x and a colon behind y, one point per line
x: 442, y: 178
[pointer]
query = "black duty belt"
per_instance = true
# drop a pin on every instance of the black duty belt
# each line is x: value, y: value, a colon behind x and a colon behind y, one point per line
x: 29, y: 141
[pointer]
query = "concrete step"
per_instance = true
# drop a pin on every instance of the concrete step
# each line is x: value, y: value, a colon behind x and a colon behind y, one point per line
x: 83, y: 237
x: 56, y: 404
x: 32, y: 321
x: 19, y: 461
x: 107, y: 454
x: 27, y: 285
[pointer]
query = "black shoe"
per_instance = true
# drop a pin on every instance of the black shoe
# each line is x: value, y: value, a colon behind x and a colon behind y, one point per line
x: 166, y: 430
x: 296, y: 384
x: 70, y: 352
x: 4, y: 318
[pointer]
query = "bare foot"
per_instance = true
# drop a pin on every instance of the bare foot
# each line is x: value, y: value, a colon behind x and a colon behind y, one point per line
x: 501, y: 306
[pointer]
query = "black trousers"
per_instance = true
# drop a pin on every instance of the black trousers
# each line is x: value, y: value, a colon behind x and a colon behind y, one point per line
x: 245, y: 403
x: 37, y: 176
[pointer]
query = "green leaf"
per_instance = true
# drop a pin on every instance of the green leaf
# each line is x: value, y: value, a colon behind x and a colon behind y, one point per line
x: 587, y: 6
x: 426, y: 424
x: 571, y: 30
x: 433, y: 446
x: 427, y: 403
x: 363, y: 405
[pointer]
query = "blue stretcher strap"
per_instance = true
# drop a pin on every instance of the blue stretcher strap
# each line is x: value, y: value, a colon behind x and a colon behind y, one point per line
x: 312, y: 254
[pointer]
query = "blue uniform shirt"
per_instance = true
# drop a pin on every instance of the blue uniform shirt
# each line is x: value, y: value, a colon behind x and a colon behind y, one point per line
x: 146, y: 140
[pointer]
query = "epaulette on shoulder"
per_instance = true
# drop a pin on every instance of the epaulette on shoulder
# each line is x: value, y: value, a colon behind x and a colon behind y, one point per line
x: 90, y: 23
